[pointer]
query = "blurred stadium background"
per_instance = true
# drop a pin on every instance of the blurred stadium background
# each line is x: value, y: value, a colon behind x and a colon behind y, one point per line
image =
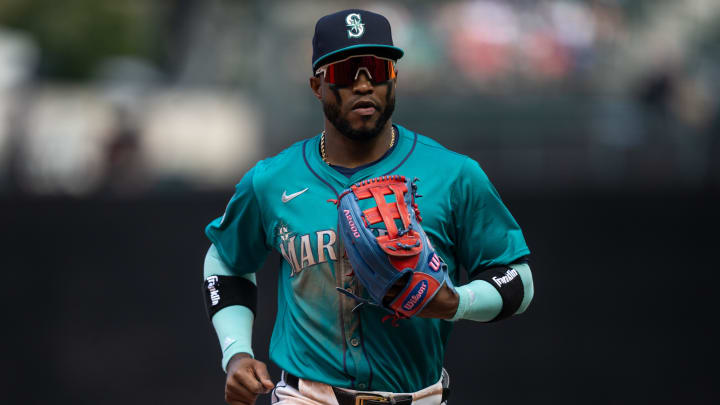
x: 125, y: 124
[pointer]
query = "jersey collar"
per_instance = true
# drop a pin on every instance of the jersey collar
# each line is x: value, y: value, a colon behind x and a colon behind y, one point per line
x: 405, y: 145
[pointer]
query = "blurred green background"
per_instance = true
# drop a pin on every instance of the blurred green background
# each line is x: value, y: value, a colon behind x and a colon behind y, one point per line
x: 137, y: 96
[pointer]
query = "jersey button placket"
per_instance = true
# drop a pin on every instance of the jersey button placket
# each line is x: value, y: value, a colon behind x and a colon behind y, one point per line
x: 355, y: 342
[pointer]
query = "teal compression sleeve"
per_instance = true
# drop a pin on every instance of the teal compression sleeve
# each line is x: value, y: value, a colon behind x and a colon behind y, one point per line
x: 480, y: 301
x: 232, y: 324
x: 526, y: 276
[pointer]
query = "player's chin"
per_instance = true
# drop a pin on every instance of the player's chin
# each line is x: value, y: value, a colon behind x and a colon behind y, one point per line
x: 366, y: 131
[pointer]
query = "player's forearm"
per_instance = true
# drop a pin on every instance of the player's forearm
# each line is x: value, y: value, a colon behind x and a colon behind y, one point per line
x: 233, y: 326
x: 443, y: 306
x: 233, y: 323
x: 480, y: 301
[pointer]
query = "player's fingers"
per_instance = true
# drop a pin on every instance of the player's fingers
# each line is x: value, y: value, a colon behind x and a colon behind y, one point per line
x: 232, y: 401
x: 240, y: 382
x: 262, y: 374
x: 238, y: 394
x: 247, y: 379
x: 240, y: 402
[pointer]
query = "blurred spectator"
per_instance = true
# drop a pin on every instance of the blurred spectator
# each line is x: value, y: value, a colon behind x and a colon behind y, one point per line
x: 125, y: 171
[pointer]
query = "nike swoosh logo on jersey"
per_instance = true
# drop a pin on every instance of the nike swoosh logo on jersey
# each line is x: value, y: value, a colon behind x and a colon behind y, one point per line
x: 286, y: 198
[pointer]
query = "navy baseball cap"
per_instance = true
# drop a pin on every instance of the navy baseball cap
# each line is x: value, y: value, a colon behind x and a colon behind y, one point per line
x: 352, y: 32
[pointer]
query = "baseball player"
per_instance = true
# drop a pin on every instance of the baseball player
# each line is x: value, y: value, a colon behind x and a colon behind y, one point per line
x: 331, y: 351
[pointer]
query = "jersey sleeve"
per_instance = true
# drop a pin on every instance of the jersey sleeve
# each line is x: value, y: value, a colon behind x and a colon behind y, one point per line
x: 239, y: 235
x: 487, y: 234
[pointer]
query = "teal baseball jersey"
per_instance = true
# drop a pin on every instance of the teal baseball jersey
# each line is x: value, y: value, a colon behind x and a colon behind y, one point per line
x: 282, y: 204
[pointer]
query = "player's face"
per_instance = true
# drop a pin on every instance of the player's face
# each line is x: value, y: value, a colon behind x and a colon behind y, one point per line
x: 359, y: 110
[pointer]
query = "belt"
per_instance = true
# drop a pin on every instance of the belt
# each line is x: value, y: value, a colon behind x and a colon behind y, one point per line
x: 367, y: 398
x: 364, y: 398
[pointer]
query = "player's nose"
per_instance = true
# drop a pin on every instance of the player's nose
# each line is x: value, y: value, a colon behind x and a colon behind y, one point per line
x: 363, y: 84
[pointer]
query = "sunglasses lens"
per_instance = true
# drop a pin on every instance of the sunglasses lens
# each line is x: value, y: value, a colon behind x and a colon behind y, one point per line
x: 345, y: 72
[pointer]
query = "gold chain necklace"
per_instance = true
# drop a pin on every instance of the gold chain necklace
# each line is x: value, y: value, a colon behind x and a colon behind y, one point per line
x: 322, y: 145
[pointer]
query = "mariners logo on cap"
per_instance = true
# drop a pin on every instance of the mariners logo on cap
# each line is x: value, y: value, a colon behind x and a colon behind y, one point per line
x: 355, y: 25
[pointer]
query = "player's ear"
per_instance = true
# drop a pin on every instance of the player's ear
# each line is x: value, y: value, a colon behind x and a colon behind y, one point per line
x: 315, y: 84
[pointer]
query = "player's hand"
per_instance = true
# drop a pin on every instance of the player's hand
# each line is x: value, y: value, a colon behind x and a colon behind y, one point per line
x: 246, y: 379
x: 443, y: 305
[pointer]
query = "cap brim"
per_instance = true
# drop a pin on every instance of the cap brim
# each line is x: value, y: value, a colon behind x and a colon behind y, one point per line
x: 383, y: 51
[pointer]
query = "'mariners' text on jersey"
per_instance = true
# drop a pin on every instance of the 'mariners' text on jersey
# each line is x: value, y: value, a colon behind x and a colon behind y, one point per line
x: 298, y: 250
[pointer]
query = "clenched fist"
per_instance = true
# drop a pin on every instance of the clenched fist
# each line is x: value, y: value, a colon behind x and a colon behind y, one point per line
x: 246, y: 379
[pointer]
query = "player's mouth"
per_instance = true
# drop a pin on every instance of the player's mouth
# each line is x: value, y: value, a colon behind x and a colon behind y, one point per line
x: 364, y: 108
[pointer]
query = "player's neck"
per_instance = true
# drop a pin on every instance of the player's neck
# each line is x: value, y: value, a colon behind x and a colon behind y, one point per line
x: 343, y: 151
